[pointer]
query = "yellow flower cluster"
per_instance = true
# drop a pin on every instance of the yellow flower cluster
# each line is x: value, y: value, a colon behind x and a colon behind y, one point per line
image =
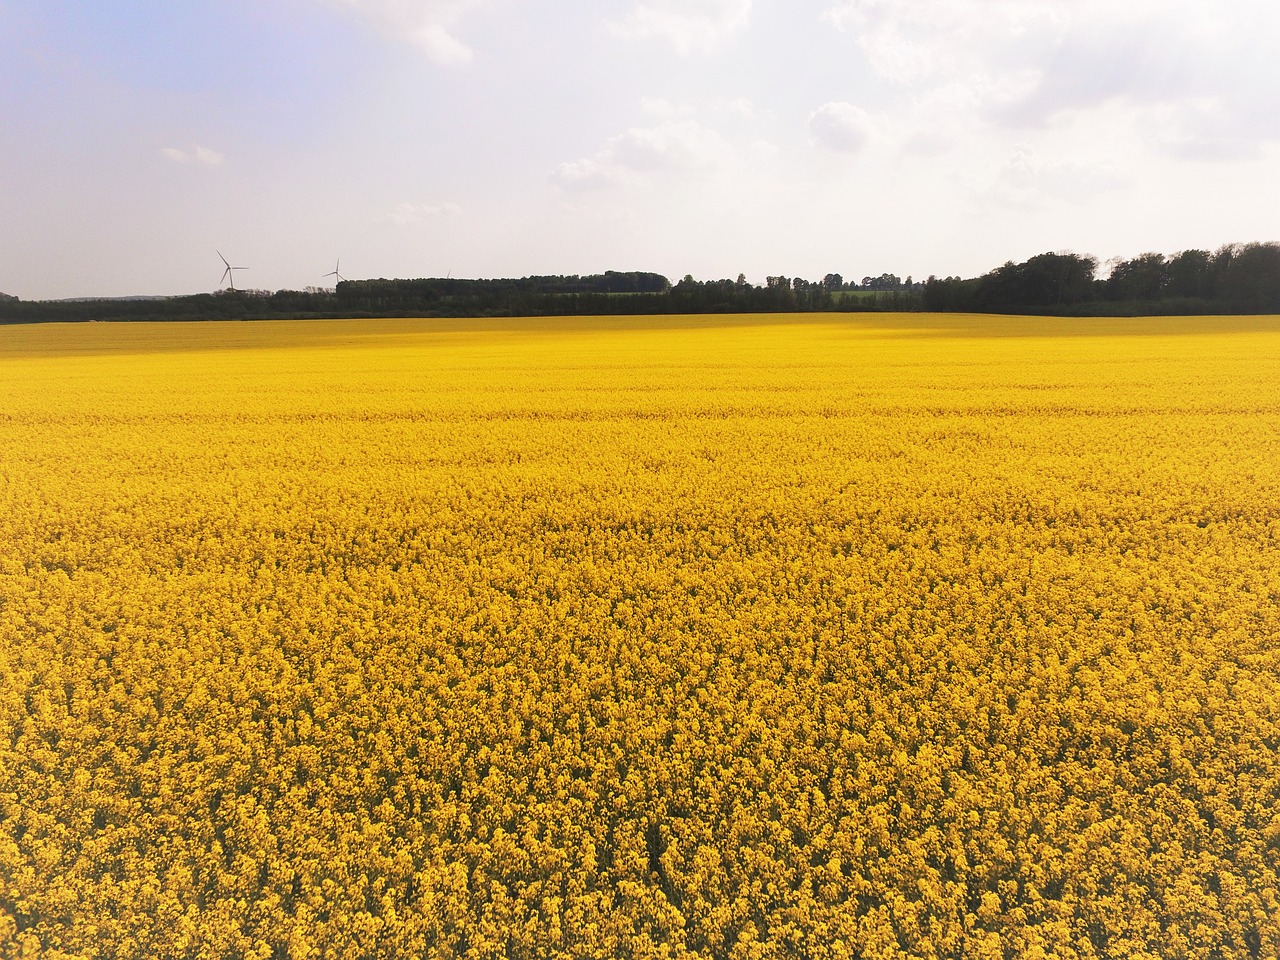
x: 744, y: 637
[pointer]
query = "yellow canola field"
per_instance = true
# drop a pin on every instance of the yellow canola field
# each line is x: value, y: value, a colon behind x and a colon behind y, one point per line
x: 822, y: 637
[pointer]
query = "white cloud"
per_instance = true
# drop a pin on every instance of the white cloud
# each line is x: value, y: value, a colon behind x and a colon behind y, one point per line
x: 440, y: 45
x: 676, y: 147
x: 742, y: 107
x: 202, y: 156
x: 1029, y: 179
x: 407, y: 213
x: 585, y: 174
x: 764, y: 149
x: 991, y: 47
x: 1199, y: 128
x: 665, y: 109
x: 843, y: 127
x: 691, y: 26
x: 427, y: 24
x: 1027, y: 63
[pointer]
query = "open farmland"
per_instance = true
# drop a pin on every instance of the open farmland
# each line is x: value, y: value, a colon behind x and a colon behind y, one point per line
x: 891, y: 636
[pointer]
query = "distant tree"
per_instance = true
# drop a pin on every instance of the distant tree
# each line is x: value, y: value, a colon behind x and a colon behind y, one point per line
x: 939, y: 294
x: 632, y: 282
x: 1190, y: 274
x: 1143, y: 278
x: 886, y: 281
x: 810, y: 295
x: 1248, y: 277
x: 1047, y: 280
x: 779, y: 294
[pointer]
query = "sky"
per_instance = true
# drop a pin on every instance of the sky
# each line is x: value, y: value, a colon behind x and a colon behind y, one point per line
x: 497, y: 138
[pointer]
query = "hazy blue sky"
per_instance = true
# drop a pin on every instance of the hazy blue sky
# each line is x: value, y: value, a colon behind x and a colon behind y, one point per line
x: 512, y: 137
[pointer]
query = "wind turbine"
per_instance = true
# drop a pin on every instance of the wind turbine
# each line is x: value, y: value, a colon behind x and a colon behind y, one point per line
x: 335, y: 272
x: 227, y: 274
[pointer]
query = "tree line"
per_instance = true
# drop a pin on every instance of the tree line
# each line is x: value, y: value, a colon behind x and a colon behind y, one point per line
x: 1236, y: 278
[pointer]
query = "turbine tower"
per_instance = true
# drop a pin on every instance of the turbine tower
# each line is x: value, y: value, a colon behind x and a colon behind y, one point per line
x: 228, y: 274
x: 334, y: 273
